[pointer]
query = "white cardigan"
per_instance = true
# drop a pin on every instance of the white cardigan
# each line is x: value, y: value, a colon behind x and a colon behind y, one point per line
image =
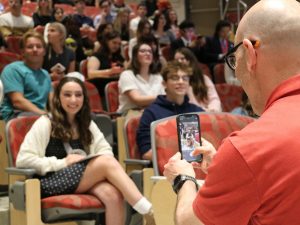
x: 33, y: 148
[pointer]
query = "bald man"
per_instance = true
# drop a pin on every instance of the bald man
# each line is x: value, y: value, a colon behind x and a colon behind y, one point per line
x: 254, y: 178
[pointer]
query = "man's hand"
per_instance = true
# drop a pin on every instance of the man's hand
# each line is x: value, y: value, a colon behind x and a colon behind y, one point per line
x: 208, y: 151
x: 176, y: 166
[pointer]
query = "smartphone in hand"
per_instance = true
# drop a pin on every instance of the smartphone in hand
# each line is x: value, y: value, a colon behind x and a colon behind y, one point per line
x: 58, y: 68
x: 189, y: 136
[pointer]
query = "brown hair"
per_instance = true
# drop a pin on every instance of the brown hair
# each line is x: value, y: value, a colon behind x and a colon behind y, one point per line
x: 173, y: 67
x: 31, y: 34
x: 135, y: 65
x: 60, y: 126
x: 197, y: 79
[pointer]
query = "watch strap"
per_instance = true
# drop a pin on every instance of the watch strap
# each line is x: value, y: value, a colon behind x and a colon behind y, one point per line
x: 180, y: 180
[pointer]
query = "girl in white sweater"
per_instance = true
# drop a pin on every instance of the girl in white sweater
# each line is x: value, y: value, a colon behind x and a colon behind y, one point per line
x: 57, y: 147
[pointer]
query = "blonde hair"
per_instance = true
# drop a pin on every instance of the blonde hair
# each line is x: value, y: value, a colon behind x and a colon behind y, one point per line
x: 118, y: 21
x: 61, y: 29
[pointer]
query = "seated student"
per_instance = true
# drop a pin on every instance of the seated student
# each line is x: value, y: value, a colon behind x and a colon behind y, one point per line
x: 79, y: 15
x: 217, y: 46
x: 59, y: 60
x: 118, y: 5
x: 106, y: 64
x: 176, y: 79
x: 43, y: 14
x: 141, y: 83
x: 56, y: 147
x: 141, y: 13
x: 27, y: 86
x: 14, y: 22
x: 144, y: 29
x: 104, y: 16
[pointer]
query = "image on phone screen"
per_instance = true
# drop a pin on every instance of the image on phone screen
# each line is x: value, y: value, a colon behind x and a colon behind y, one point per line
x: 189, y: 136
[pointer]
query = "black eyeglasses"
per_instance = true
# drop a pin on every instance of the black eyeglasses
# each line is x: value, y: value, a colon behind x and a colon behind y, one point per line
x: 230, y: 58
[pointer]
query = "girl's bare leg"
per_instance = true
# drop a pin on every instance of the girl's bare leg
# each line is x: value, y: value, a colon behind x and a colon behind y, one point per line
x: 113, y: 201
x: 106, y: 167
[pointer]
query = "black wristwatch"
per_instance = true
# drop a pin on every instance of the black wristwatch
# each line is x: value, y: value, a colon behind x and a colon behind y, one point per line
x: 179, y: 181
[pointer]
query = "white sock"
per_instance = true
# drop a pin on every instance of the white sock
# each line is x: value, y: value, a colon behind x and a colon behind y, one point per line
x: 143, y: 206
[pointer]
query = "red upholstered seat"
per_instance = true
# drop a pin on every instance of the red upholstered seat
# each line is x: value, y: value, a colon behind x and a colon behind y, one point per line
x: 68, y: 9
x: 91, y: 11
x: 166, y: 52
x: 16, y: 134
x: 83, y: 68
x: 13, y: 44
x: 230, y: 96
x: 219, y: 76
x: 28, y: 8
x: 126, y: 52
x: 131, y: 127
x: 112, y: 96
x: 54, y: 208
x: 7, y: 58
x: 205, y: 69
x: 78, y: 201
x: 214, y: 128
x: 93, y: 95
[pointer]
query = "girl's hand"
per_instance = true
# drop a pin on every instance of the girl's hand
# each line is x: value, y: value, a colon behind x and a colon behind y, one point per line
x: 73, y: 158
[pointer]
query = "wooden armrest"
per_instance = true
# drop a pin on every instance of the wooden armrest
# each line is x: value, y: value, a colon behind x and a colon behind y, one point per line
x: 143, y: 162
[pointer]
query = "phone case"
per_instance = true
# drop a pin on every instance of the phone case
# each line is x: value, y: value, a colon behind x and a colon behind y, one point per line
x: 189, y: 136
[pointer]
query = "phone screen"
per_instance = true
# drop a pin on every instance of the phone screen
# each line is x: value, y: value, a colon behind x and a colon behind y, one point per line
x: 189, y: 136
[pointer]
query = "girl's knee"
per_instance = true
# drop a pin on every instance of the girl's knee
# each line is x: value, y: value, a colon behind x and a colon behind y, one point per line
x: 107, y: 161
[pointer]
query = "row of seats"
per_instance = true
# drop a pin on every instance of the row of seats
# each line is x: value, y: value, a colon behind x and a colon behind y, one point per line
x: 214, y: 127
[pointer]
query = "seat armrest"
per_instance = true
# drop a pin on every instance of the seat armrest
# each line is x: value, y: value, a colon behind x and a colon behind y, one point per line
x: 143, y: 162
x: 20, y: 171
x: 157, y: 178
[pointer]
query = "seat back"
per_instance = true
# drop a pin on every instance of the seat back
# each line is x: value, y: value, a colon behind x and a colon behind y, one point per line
x: 230, y: 96
x: 112, y: 96
x: 68, y: 9
x: 219, y: 75
x: 205, y: 69
x: 93, y: 95
x: 28, y: 8
x: 13, y: 44
x: 214, y: 128
x: 7, y: 58
x: 130, y: 128
x: 15, y: 131
x: 91, y: 11
x: 83, y: 68
x: 166, y: 52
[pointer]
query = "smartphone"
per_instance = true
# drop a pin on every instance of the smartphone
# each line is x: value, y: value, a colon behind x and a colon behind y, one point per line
x: 59, y: 68
x: 189, y: 136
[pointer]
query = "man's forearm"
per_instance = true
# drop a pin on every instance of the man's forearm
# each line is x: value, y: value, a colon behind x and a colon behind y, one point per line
x: 27, y: 106
x: 184, y: 210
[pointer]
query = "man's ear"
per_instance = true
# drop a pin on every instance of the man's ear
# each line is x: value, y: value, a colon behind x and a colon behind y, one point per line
x: 250, y: 54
